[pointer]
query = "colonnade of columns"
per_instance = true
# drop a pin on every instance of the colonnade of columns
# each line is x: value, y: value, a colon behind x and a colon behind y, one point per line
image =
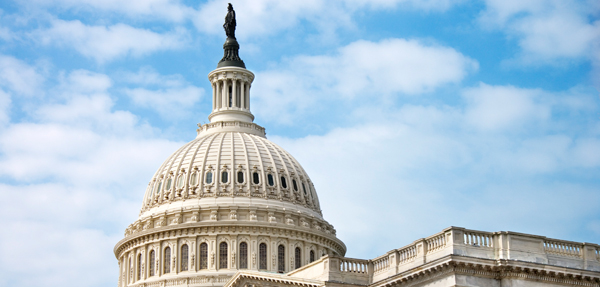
x: 231, y: 92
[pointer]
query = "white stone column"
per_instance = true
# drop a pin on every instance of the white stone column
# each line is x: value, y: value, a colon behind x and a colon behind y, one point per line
x: 243, y: 95
x: 248, y: 96
x: 234, y: 92
x: 214, y: 94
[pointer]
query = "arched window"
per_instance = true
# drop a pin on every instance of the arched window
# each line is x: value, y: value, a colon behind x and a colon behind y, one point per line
x: 180, y: 180
x: 262, y: 256
x: 184, y: 257
x: 297, y: 258
x: 223, y: 255
x: 312, y: 256
x: 304, y: 189
x: 283, y: 182
x: 270, y: 180
x: 152, y: 262
x: 243, y: 255
x: 158, y: 187
x: 224, y: 177
x: 203, y: 256
x: 168, y: 186
x: 208, y: 177
x: 240, y: 177
x: 280, y: 259
x: 255, y: 178
x: 295, y: 185
x: 167, y: 261
x: 139, y: 267
x: 194, y: 179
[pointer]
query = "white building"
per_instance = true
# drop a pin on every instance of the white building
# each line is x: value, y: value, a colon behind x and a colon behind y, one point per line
x: 232, y: 208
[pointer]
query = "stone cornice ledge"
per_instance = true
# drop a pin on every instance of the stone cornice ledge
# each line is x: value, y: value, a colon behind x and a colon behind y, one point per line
x: 273, y: 278
x: 491, y: 268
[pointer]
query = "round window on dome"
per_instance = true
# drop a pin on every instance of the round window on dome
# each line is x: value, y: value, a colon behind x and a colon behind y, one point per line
x: 270, y: 180
x: 255, y: 178
x: 283, y: 182
x: 209, y: 177
x: 295, y: 185
x: 240, y: 177
x: 224, y: 177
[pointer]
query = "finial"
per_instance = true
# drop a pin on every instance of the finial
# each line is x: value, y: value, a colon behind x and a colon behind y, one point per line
x: 231, y: 47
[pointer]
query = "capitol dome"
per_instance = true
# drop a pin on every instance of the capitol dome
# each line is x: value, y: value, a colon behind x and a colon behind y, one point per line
x: 228, y: 200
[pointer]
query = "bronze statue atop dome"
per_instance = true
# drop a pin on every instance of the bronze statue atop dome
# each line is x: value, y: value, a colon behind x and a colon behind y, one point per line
x: 230, y: 23
x: 231, y: 47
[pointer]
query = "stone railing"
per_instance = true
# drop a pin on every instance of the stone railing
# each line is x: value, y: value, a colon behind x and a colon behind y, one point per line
x: 456, y: 241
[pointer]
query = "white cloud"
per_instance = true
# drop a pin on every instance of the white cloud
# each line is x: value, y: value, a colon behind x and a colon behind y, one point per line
x: 548, y: 30
x: 362, y: 70
x: 503, y: 107
x: 20, y: 77
x: 105, y: 43
x: 170, y: 96
x: 171, y: 10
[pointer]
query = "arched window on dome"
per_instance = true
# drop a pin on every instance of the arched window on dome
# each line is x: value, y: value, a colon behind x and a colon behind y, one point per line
x: 184, y: 257
x: 152, y: 262
x: 223, y: 255
x: 280, y: 259
x: 203, y: 256
x: 243, y: 255
x: 304, y: 189
x: 168, y: 185
x: 167, y: 261
x: 139, y: 267
x: 297, y: 258
x: 255, y: 178
x: 262, y: 256
x: 158, y: 187
x: 224, y: 176
x: 240, y: 177
x: 270, y: 180
x: 194, y: 178
x: 283, y: 182
x: 312, y: 256
x: 209, y: 177
x: 295, y: 185
x: 180, y: 180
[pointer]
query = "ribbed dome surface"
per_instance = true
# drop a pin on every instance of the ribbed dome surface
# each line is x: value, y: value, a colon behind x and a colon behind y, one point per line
x: 231, y: 165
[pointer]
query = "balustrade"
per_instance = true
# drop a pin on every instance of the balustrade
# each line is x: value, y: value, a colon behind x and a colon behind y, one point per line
x: 562, y: 248
x: 355, y: 266
x: 435, y: 243
x: 478, y: 239
x: 407, y: 254
x: 381, y: 264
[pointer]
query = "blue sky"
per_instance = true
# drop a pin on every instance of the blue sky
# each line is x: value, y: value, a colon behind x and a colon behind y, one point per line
x: 409, y: 116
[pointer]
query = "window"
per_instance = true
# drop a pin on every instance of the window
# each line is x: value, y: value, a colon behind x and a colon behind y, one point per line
x: 283, y: 182
x: 139, y: 267
x: 209, y: 177
x: 262, y: 256
x: 280, y: 259
x: 203, y: 256
x: 152, y: 262
x: 194, y: 179
x: 223, y: 255
x: 168, y: 186
x: 312, y: 256
x: 295, y: 185
x: 184, y: 257
x: 255, y: 178
x: 158, y: 187
x: 304, y: 189
x: 297, y: 258
x: 224, y: 177
x: 167, y: 261
x: 180, y: 180
x: 240, y: 177
x: 270, y: 180
x: 243, y: 255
